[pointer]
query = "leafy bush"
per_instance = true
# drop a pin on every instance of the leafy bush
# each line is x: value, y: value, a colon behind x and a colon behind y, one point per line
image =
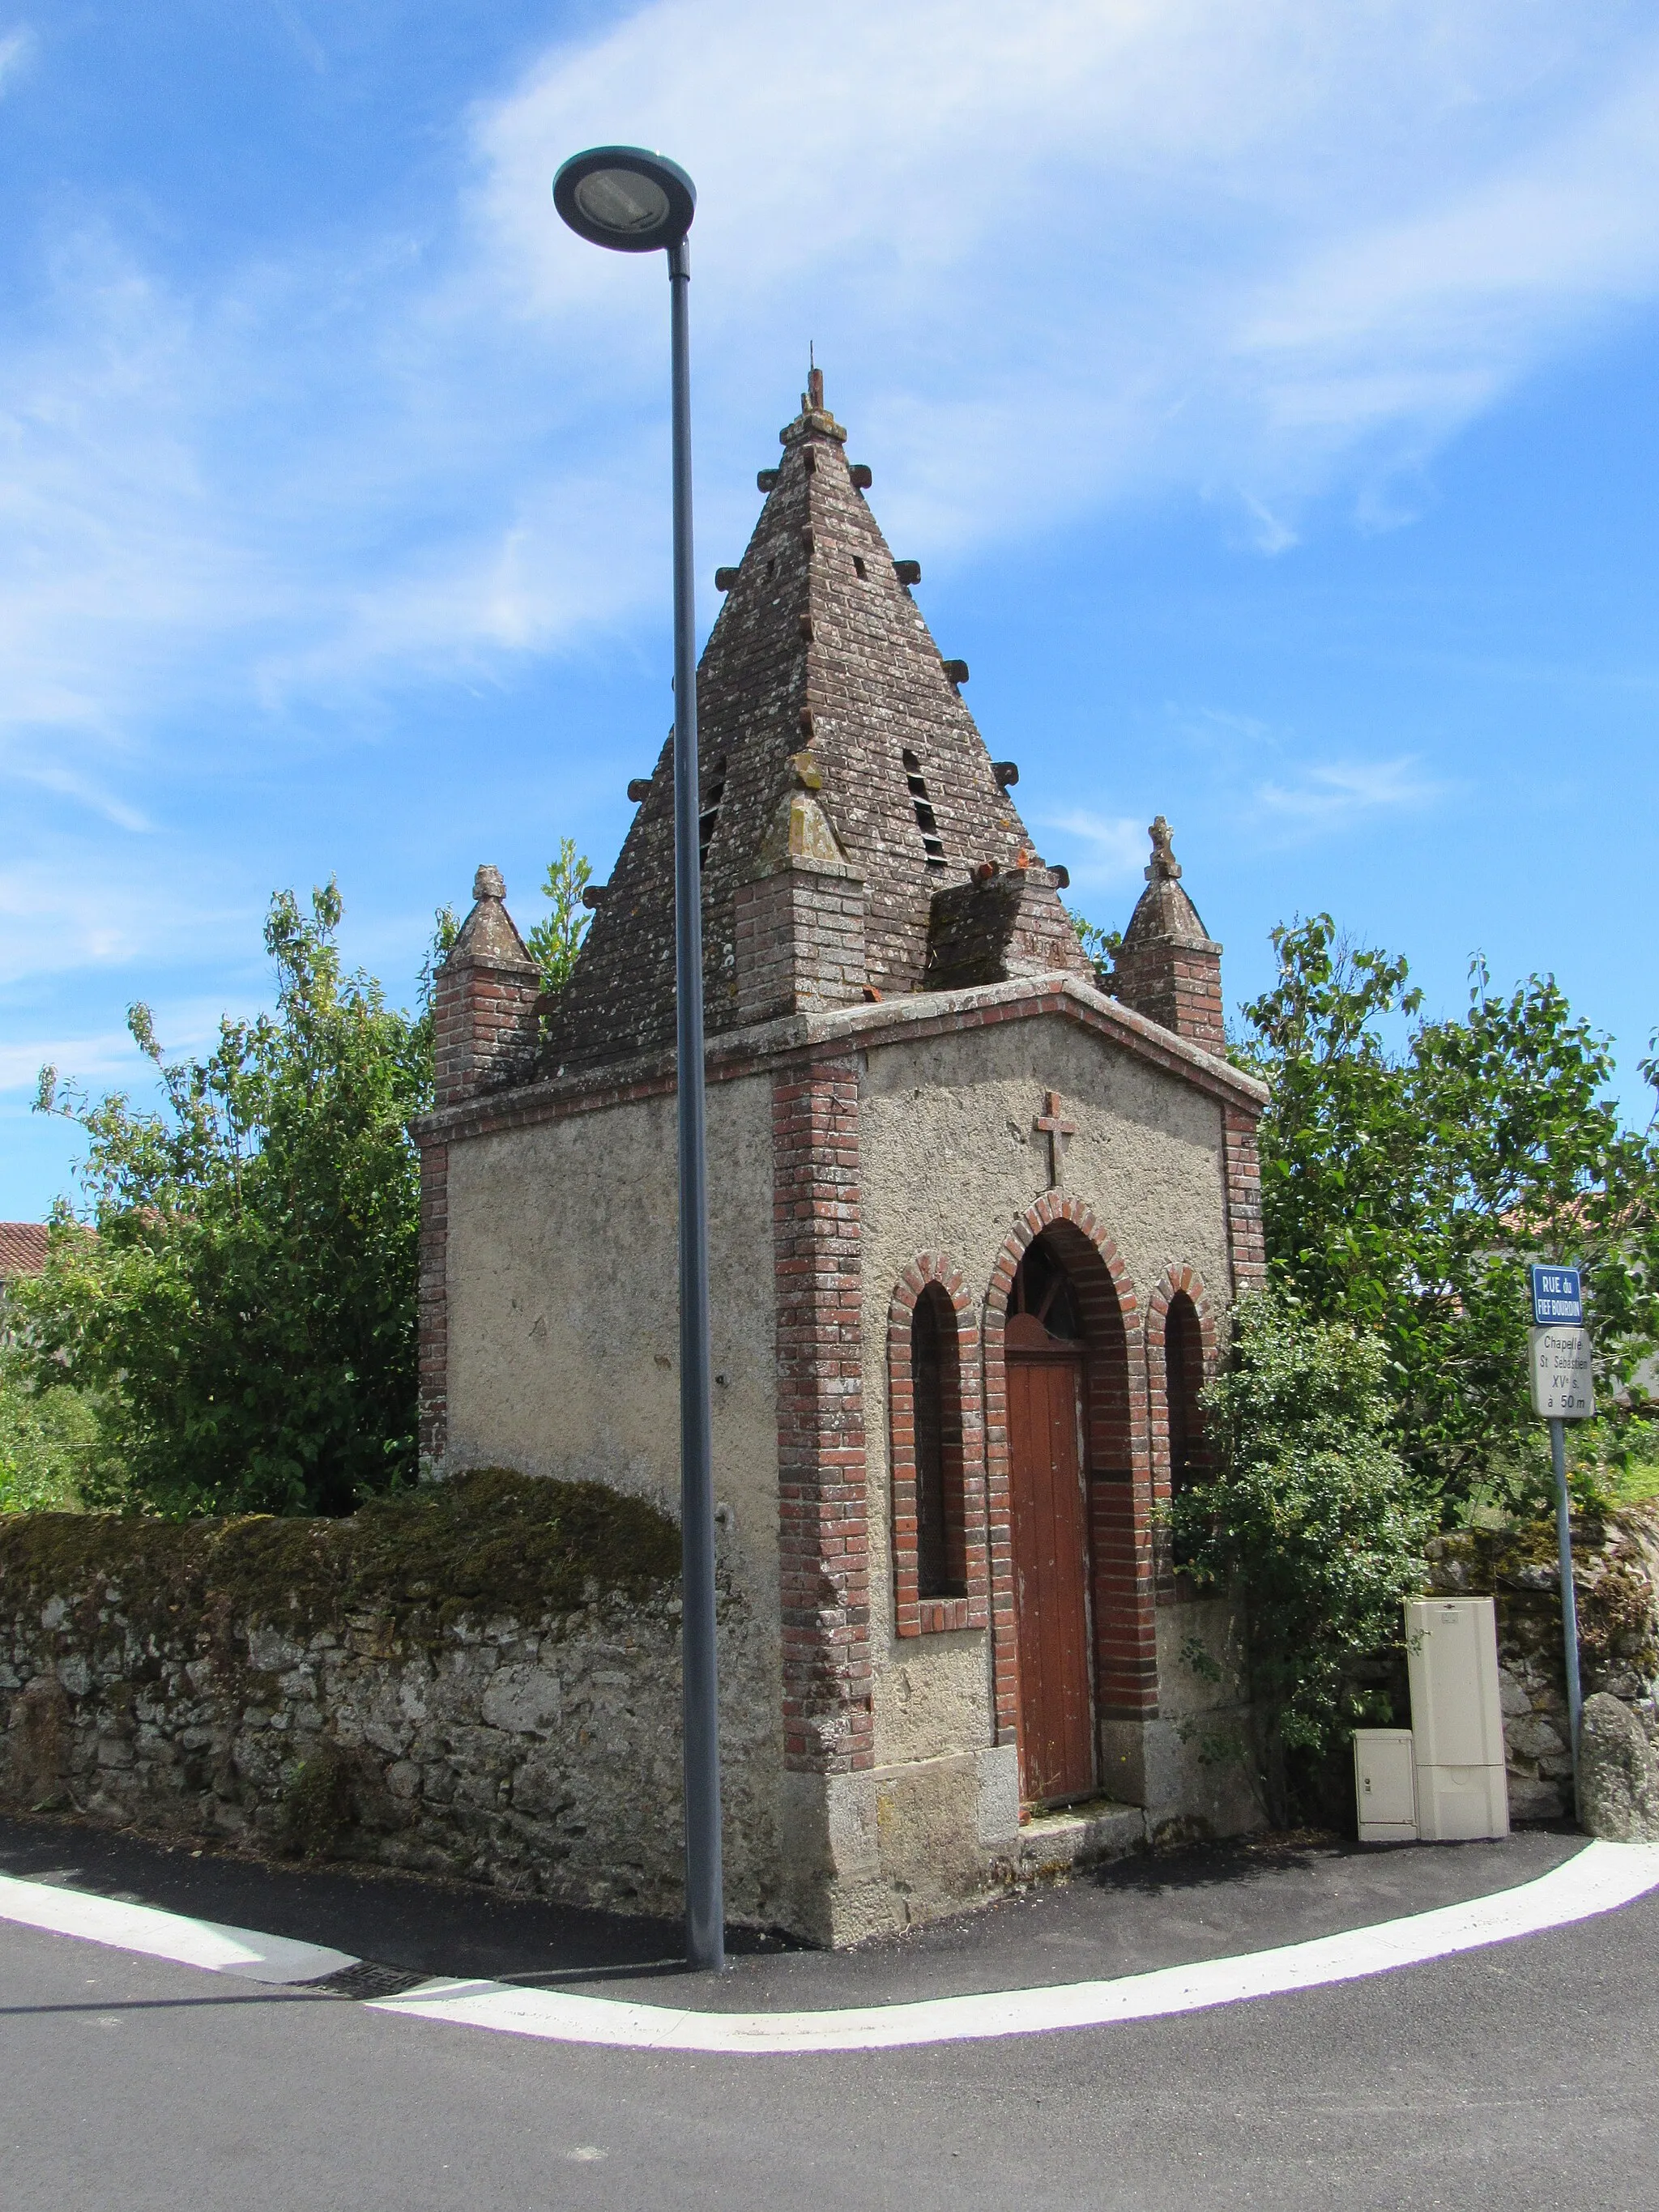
x: 1311, y: 1513
x: 1404, y: 1188
x: 556, y: 940
x: 50, y: 1445
x: 245, y: 1318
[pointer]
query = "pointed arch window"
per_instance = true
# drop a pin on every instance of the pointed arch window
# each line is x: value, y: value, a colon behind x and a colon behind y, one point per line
x: 1183, y: 1379
x: 940, y: 1560
x: 936, y: 1402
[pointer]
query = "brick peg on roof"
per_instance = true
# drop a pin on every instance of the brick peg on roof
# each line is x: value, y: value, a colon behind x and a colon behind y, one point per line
x: 484, y: 1008
x: 1169, y: 967
x: 818, y: 645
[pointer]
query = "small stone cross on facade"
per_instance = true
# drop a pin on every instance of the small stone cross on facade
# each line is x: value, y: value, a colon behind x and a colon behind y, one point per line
x: 1052, y: 1124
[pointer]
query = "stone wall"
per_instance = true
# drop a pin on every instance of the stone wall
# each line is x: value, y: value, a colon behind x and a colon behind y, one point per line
x: 535, y: 1748
x: 1616, y: 1570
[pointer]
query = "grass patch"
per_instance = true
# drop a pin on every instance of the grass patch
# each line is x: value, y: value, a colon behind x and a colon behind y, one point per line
x: 1636, y: 1482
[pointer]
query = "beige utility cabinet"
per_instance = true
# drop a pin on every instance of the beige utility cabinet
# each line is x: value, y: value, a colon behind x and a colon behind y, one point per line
x: 1457, y: 1723
x: 1385, y: 1783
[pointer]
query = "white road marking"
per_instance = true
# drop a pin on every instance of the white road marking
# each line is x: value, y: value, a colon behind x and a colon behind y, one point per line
x: 158, y: 1934
x: 1598, y: 1879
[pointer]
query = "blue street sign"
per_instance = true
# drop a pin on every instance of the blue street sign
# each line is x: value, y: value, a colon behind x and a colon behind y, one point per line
x: 1557, y: 1298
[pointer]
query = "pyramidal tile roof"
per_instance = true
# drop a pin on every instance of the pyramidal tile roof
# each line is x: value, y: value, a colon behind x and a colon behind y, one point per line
x: 819, y: 647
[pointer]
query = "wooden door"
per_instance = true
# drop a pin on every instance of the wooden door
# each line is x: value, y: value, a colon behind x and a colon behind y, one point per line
x: 1051, y: 1567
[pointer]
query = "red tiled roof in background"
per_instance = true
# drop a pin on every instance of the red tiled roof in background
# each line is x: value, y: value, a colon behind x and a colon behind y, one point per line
x: 22, y: 1248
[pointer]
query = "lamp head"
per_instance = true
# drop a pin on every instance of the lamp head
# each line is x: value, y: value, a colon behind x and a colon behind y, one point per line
x: 626, y: 198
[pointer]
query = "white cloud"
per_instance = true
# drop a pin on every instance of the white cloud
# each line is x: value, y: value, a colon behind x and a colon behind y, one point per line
x: 94, y: 1060
x: 1054, y: 257
x: 75, y: 909
x: 1332, y: 797
x: 304, y: 40
x: 1114, y: 847
x: 16, y: 51
x: 1112, y: 244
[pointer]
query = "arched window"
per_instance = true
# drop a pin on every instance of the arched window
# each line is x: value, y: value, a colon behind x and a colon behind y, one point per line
x: 1183, y: 1379
x: 936, y: 1403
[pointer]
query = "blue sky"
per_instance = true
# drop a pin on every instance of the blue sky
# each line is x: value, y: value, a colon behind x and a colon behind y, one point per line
x: 1267, y: 389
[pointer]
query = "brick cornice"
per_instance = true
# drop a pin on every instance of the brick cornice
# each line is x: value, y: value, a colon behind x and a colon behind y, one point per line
x: 892, y: 1021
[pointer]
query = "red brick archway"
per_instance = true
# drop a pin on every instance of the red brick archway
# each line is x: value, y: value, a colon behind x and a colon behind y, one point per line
x: 1119, y: 1469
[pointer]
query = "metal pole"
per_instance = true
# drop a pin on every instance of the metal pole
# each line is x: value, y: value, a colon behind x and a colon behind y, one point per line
x: 705, y: 1907
x: 1569, y: 1595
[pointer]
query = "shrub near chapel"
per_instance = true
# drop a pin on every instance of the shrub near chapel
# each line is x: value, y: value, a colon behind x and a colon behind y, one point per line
x: 244, y: 1322
x: 1403, y: 1189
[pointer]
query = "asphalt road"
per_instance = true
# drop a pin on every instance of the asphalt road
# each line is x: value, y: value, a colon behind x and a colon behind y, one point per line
x: 1524, y: 2075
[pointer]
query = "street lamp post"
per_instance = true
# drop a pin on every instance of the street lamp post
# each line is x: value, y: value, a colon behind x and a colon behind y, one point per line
x: 636, y: 202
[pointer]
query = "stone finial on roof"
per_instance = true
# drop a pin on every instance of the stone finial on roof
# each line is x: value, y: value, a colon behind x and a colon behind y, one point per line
x: 1163, y: 865
x: 1169, y: 966
x: 485, y: 1019
x: 815, y: 420
x: 801, y: 833
x: 488, y: 937
x: 1164, y: 912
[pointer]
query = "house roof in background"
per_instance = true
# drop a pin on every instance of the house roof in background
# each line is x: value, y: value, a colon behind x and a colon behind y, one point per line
x: 22, y: 1248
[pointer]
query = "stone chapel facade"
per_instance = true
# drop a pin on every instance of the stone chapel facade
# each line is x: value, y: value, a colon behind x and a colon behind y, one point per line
x: 974, y: 1223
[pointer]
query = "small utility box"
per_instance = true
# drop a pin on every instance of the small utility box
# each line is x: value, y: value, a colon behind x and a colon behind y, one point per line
x: 1385, y: 1784
x: 1457, y: 1724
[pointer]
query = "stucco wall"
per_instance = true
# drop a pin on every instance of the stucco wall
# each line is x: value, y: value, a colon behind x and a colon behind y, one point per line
x: 950, y: 1160
x: 563, y: 1323
x: 1198, y: 1754
x: 564, y: 1304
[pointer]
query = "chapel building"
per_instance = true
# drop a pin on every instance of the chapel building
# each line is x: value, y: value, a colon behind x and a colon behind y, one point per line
x: 976, y: 1216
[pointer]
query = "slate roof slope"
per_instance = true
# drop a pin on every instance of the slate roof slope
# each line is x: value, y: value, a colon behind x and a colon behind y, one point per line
x: 818, y: 644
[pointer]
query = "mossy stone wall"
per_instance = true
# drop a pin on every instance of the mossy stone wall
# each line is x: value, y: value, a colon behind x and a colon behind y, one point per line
x: 1616, y: 1574
x: 481, y: 1679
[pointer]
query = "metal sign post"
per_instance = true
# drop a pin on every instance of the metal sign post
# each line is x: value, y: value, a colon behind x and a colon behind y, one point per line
x: 1563, y: 1390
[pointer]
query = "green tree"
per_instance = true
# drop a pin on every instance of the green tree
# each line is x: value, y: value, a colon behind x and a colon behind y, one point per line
x: 49, y: 1442
x: 245, y: 1318
x: 1101, y: 945
x: 1411, y: 1168
x: 556, y: 940
x: 1311, y: 1513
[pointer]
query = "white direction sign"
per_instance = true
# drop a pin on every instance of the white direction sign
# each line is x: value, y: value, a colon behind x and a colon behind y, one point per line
x: 1563, y: 1389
